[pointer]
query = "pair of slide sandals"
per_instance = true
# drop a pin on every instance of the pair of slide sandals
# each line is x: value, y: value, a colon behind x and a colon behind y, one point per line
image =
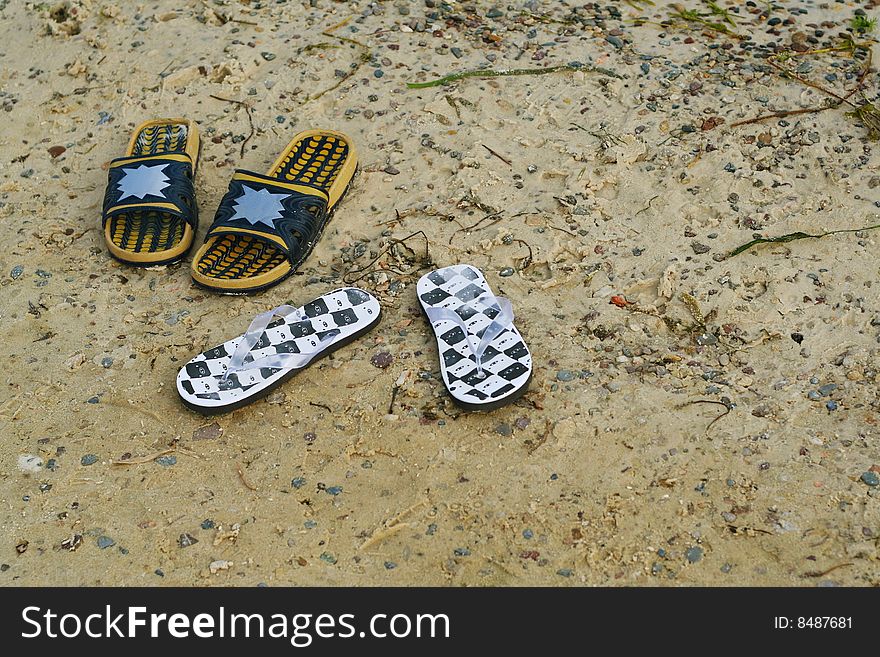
x: 266, y: 224
x: 484, y: 361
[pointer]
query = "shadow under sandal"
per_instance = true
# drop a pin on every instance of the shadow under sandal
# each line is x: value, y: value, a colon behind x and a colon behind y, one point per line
x: 278, y: 344
x: 267, y: 225
x: 484, y: 361
x: 150, y: 214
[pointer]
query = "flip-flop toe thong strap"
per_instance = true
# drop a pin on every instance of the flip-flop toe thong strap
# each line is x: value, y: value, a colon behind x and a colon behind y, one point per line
x: 502, y: 320
x: 279, y: 361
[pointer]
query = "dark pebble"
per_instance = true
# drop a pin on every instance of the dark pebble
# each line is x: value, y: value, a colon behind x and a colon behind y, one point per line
x: 507, y: 271
x: 167, y: 461
x: 382, y: 360
x: 870, y: 478
x: 185, y: 540
x: 89, y: 459
x: 208, y: 524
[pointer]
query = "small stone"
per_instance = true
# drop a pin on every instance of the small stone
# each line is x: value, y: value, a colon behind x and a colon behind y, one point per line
x: 89, y: 459
x: 17, y: 271
x: 29, y: 463
x: 390, y: 565
x: 494, y: 12
x: 504, y: 429
x: 706, y: 339
x: 694, y: 554
x: 382, y: 360
x: 378, y: 73
x: 207, y: 524
x: 333, y: 490
x: 105, y: 541
x: 167, y: 461
x: 565, y: 572
x: 298, y: 482
x: 700, y: 248
x: 617, y: 42
x: 93, y: 400
x: 391, y: 170
x: 527, y: 534
x: 185, y: 540
x: 461, y: 552
x: 827, y: 389
x: 507, y: 271
x: 56, y: 151
x: 831, y: 405
x: 726, y: 568
x: 329, y: 558
x: 159, y: 572
x: 457, y: 52
x: 208, y: 432
x: 870, y: 478
x: 566, y: 375
x: 310, y: 436
x: 218, y: 565
x: 268, y: 56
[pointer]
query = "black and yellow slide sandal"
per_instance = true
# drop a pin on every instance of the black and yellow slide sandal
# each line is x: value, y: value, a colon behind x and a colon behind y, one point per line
x: 267, y: 225
x: 150, y: 214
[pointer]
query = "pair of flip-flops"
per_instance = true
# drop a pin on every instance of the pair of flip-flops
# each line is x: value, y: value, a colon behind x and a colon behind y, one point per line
x: 484, y: 361
x: 266, y: 224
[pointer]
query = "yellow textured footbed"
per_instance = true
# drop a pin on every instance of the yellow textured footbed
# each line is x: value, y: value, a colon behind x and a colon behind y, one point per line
x: 143, y: 237
x: 241, y: 262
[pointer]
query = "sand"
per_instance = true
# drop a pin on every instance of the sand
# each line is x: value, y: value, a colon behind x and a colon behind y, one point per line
x: 612, y: 202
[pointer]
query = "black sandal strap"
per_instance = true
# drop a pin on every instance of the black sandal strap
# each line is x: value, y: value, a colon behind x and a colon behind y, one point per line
x: 157, y: 183
x: 290, y: 215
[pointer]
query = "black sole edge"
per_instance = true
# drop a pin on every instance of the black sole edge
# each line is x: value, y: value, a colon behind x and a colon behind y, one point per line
x: 295, y: 266
x: 218, y: 410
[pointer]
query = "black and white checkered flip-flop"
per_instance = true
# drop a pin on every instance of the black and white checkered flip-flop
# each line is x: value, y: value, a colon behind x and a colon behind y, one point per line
x: 483, y: 359
x: 278, y: 344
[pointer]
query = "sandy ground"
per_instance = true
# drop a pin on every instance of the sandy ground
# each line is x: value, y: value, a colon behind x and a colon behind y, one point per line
x: 617, y: 199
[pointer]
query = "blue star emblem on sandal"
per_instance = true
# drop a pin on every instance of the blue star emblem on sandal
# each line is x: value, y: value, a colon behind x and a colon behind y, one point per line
x: 259, y: 206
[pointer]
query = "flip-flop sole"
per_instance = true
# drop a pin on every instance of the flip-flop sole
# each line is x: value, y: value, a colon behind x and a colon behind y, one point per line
x: 509, y: 368
x: 210, y: 364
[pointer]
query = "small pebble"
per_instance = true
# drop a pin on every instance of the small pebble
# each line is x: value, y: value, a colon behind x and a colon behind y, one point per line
x: 333, y: 490
x: 566, y: 375
x: 461, y: 552
x: 167, y: 460
x: 298, y: 482
x: 185, y: 540
x: 382, y: 360
x: 694, y: 554
x: 507, y: 271
x: 870, y: 478
x: 105, y: 541
x: 208, y: 524
x: 89, y: 459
